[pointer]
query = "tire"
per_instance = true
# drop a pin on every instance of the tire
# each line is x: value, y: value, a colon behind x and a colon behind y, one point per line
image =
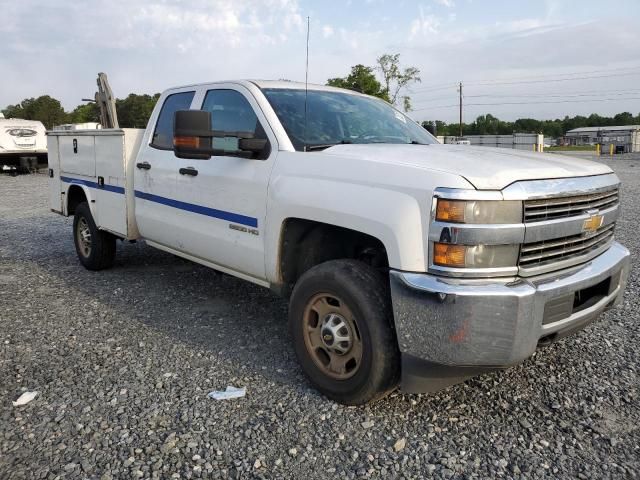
x: 96, y: 249
x: 333, y: 307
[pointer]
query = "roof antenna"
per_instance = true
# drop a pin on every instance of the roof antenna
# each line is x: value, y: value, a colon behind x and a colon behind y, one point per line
x: 306, y: 84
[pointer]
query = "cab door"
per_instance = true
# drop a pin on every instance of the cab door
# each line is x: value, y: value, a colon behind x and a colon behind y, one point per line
x: 224, y: 198
x: 155, y: 174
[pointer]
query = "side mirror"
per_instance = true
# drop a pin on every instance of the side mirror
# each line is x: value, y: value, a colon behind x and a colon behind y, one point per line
x: 253, y: 145
x: 192, y: 138
x: 192, y: 134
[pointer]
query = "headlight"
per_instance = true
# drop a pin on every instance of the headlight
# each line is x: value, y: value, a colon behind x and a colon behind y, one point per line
x: 479, y: 211
x: 474, y: 234
x: 475, y: 256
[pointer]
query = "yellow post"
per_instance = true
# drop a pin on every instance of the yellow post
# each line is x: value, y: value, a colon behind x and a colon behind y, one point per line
x: 597, y: 149
x: 611, y: 149
x: 535, y: 147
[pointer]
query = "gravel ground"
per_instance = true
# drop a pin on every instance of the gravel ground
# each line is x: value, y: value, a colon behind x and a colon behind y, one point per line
x: 123, y: 360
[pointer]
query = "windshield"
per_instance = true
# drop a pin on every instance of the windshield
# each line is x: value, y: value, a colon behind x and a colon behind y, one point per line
x: 336, y: 117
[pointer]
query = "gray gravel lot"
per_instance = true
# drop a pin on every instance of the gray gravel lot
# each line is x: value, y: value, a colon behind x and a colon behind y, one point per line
x: 123, y: 360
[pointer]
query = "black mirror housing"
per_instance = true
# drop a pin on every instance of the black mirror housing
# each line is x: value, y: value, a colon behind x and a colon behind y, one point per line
x: 253, y: 145
x: 192, y: 134
x: 192, y: 138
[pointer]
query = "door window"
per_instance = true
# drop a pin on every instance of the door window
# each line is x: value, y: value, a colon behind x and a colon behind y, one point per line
x: 163, y: 134
x: 231, y: 113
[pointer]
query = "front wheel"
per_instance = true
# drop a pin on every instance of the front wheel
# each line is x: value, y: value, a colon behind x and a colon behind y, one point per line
x: 96, y: 249
x: 341, y: 323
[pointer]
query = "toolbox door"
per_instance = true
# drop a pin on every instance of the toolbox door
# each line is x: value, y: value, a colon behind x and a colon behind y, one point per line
x: 55, y: 187
x: 111, y: 210
x: 77, y: 154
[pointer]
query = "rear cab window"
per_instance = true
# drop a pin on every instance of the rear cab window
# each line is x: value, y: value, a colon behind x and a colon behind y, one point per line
x: 163, y: 133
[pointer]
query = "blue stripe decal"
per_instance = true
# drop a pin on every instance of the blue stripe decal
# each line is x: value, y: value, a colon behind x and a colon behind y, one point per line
x: 88, y: 183
x: 190, y: 207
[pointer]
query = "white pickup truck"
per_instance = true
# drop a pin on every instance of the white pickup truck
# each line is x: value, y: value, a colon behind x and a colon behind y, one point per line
x: 406, y: 262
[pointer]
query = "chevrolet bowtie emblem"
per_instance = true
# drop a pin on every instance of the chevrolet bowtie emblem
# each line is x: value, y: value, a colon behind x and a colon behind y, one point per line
x: 593, y: 223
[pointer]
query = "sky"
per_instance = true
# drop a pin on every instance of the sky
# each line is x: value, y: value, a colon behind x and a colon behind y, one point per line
x: 516, y: 58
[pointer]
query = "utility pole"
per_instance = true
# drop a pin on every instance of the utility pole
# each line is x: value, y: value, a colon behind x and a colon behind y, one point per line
x: 460, y: 90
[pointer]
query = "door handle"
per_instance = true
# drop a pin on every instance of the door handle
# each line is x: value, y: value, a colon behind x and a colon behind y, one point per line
x: 143, y: 165
x: 188, y: 171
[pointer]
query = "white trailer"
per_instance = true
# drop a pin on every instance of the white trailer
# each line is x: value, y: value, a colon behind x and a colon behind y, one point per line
x: 23, y: 144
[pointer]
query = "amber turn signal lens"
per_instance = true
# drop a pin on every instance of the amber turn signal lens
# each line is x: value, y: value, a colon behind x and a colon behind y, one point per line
x: 450, y: 210
x: 448, y: 255
x: 186, y: 142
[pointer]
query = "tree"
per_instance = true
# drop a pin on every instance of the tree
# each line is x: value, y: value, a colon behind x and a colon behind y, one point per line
x: 361, y: 79
x: 624, y: 118
x: 45, y: 109
x: 13, y: 111
x: 135, y: 110
x: 394, y: 78
x: 441, y: 127
x: 490, y: 125
x: 87, y: 113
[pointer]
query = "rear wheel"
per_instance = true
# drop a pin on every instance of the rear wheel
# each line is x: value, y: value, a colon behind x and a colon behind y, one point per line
x: 341, y: 323
x: 96, y: 249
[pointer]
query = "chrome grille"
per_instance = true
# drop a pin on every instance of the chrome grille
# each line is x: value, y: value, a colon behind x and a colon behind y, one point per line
x: 557, y: 249
x: 564, y: 207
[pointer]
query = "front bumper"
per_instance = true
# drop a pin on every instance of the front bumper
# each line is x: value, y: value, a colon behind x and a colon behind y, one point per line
x: 451, y: 329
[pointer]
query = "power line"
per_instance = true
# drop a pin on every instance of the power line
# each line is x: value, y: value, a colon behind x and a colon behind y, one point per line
x: 435, y: 99
x: 595, y: 93
x: 528, y: 77
x: 525, y: 103
x: 565, y: 95
x: 554, y: 78
x: 433, y: 88
x: 542, y: 95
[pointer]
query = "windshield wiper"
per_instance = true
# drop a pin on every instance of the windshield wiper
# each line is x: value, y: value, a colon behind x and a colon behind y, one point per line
x: 311, y: 148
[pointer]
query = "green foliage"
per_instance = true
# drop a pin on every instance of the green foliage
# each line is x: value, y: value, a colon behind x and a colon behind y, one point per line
x: 135, y: 110
x: 13, y: 111
x: 87, y: 113
x: 45, y: 109
x: 361, y: 79
x: 394, y: 78
x: 490, y: 125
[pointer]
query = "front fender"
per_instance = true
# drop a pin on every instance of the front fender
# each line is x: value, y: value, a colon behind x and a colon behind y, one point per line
x: 392, y: 217
x: 390, y: 202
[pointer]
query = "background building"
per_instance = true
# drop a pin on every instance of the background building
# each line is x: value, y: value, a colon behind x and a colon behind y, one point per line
x: 519, y: 141
x: 625, y: 138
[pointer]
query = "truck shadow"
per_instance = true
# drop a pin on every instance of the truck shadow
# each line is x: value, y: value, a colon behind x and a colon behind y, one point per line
x: 241, y: 323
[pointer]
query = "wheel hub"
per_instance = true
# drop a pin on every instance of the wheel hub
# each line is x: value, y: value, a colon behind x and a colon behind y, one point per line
x: 336, y: 334
x: 84, y: 237
x: 332, y: 337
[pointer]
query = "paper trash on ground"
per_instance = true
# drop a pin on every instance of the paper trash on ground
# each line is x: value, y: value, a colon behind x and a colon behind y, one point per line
x: 228, y: 394
x: 25, y: 398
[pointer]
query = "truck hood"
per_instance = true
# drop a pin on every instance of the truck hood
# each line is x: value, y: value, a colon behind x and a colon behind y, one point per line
x: 485, y: 168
